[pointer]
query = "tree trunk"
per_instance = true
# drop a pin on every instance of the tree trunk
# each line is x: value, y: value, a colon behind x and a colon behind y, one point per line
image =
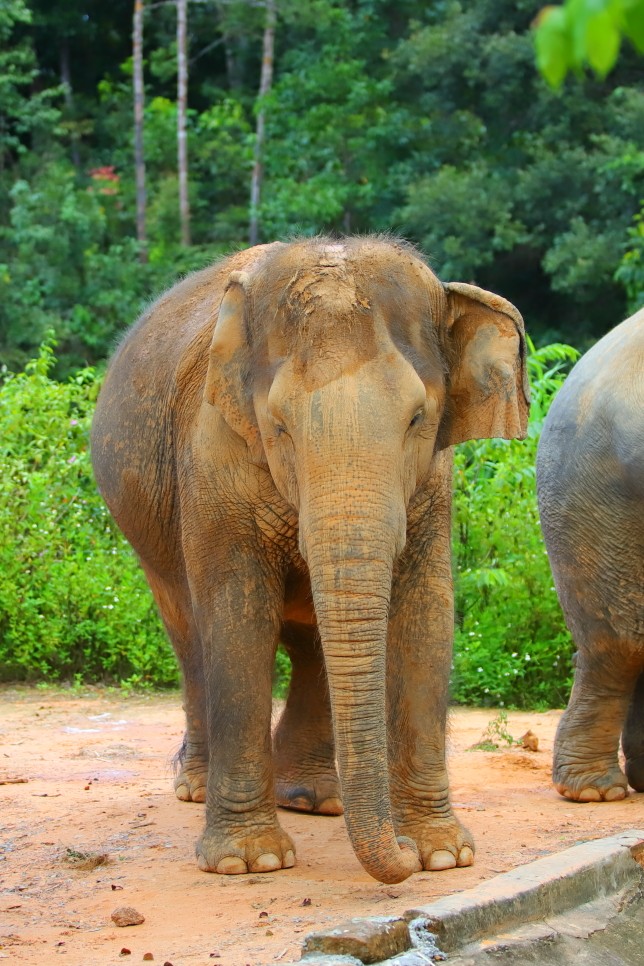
x: 232, y: 63
x: 68, y: 94
x: 265, y: 84
x: 139, y: 97
x: 182, y: 101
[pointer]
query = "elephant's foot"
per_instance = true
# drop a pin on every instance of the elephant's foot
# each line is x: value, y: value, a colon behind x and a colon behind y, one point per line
x: 587, y: 781
x: 306, y: 793
x: 190, y: 783
x: 305, y: 774
x: 192, y: 774
x: 585, y: 767
x: 258, y: 849
x: 443, y: 843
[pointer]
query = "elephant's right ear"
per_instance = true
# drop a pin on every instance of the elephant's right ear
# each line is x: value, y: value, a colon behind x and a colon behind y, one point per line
x: 227, y: 381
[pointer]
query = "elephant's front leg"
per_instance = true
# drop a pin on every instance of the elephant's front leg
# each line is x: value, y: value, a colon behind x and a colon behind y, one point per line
x: 239, y: 621
x: 419, y: 662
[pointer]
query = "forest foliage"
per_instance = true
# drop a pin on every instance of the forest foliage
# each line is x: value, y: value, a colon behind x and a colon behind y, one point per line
x: 426, y: 119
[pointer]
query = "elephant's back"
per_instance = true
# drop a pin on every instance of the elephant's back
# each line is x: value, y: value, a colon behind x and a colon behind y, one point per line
x: 162, y: 360
x: 595, y: 427
x: 137, y: 398
x: 608, y: 379
x: 149, y: 400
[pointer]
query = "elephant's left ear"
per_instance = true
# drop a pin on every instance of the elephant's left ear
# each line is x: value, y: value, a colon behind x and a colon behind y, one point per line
x: 487, y: 383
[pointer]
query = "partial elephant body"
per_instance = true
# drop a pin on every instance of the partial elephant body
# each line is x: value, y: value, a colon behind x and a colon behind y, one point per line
x: 273, y: 437
x: 590, y: 477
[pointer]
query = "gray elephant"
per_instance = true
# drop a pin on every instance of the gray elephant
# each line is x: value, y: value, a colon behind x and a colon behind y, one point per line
x: 590, y: 480
x: 273, y: 438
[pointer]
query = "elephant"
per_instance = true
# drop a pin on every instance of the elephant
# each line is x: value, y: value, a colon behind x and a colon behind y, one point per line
x: 273, y: 437
x: 590, y: 482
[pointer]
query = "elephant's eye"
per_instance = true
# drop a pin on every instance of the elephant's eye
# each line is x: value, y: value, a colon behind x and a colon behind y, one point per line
x: 280, y: 431
x: 417, y: 418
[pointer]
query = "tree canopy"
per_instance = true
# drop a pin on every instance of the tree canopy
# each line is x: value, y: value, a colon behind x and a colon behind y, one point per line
x: 425, y: 119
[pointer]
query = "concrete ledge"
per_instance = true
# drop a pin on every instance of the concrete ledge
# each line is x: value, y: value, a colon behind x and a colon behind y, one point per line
x: 530, y: 894
x: 366, y: 940
x: 537, y: 891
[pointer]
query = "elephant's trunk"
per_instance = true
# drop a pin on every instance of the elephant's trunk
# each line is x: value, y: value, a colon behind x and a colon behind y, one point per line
x: 350, y: 541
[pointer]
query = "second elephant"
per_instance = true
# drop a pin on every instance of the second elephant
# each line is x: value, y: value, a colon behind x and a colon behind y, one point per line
x: 590, y: 480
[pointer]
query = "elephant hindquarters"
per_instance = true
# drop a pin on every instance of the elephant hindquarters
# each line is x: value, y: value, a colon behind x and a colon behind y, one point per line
x: 593, y: 539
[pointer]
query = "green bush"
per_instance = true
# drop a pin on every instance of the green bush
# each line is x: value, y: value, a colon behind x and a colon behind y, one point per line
x: 631, y: 268
x: 511, y: 645
x: 74, y: 604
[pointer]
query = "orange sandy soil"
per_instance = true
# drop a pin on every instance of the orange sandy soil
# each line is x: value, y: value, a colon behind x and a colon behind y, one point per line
x: 98, y: 780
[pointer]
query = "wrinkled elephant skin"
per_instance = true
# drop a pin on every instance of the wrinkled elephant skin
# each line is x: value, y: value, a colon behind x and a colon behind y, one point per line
x: 590, y: 478
x: 273, y: 438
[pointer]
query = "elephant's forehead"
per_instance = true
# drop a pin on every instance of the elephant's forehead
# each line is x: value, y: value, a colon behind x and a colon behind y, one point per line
x: 330, y: 305
x: 340, y: 375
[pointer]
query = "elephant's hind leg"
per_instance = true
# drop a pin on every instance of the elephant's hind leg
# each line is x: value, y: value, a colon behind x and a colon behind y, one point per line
x: 585, y: 764
x: 633, y: 738
x: 191, y: 762
x: 305, y: 774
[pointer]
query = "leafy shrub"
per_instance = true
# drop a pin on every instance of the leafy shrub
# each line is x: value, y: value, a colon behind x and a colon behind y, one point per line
x: 511, y: 645
x: 631, y: 268
x: 73, y: 600
x: 496, y: 735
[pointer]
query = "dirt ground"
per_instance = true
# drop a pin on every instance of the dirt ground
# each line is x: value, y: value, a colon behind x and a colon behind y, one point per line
x: 91, y: 775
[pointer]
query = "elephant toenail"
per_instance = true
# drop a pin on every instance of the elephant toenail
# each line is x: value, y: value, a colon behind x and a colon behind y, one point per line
x: 440, y: 860
x: 589, y: 795
x: 465, y: 857
x: 615, y: 794
x: 289, y: 860
x: 268, y: 862
x: 331, y: 806
x: 232, y: 865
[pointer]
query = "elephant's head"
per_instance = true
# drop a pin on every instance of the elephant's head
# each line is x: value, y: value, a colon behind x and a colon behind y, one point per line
x: 346, y: 366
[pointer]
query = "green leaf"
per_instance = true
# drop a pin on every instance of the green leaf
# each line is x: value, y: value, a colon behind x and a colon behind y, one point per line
x: 633, y: 19
x: 602, y: 43
x: 553, y: 45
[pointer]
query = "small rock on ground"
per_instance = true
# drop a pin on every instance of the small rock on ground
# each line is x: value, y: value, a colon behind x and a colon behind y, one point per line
x: 127, y: 916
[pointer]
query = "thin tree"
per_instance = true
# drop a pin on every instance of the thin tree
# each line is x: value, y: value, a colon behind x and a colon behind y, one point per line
x: 182, y: 103
x: 266, y: 81
x: 139, y: 98
x: 68, y: 94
